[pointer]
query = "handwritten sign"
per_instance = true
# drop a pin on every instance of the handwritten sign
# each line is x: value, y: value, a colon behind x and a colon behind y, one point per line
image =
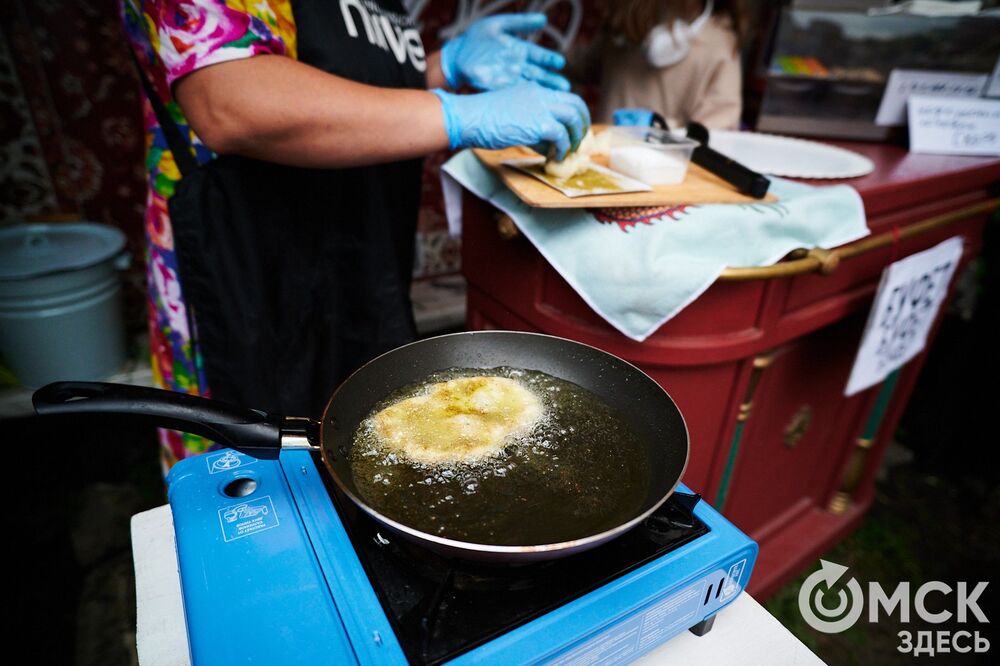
x: 906, y: 82
x: 993, y: 87
x: 954, y: 126
x: 907, y: 303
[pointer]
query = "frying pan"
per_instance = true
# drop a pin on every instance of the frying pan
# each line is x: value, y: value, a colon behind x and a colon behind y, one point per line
x: 639, y: 400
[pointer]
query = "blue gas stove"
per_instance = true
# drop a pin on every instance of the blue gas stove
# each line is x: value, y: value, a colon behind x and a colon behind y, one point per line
x: 276, y: 569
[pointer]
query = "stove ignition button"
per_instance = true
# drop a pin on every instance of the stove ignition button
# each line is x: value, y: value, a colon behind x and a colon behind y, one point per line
x: 240, y: 487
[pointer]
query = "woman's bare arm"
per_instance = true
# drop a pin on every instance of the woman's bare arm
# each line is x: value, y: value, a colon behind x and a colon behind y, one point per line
x: 277, y: 109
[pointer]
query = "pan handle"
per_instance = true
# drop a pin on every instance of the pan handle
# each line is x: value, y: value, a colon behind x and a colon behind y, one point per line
x: 249, y: 431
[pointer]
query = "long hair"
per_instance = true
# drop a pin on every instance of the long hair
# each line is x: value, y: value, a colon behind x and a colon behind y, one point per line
x: 633, y: 19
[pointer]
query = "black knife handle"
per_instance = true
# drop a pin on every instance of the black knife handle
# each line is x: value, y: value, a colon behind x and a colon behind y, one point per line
x: 745, y: 180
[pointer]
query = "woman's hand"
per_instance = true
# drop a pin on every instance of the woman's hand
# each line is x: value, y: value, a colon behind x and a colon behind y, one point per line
x: 523, y: 115
x: 489, y: 55
x: 277, y: 109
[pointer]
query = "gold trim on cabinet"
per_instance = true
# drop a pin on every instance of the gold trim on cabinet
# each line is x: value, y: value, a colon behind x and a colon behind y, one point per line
x: 506, y: 228
x: 760, y: 363
x: 840, y: 503
x: 798, y: 426
x: 852, y: 475
x: 816, y: 260
x: 825, y: 262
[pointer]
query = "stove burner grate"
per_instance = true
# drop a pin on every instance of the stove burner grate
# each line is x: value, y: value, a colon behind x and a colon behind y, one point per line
x: 440, y: 607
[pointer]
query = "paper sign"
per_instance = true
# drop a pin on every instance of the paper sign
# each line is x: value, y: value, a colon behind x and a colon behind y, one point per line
x: 905, y: 82
x: 954, y: 126
x: 907, y: 303
x: 993, y: 87
x: 596, y: 179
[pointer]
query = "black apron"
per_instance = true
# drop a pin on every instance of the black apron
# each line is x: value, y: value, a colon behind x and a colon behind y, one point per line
x: 296, y: 277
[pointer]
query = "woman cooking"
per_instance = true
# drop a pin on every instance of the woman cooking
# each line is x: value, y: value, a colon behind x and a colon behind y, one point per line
x: 284, y: 189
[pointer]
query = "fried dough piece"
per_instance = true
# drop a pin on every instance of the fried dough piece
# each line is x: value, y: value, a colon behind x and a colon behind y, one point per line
x: 461, y: 420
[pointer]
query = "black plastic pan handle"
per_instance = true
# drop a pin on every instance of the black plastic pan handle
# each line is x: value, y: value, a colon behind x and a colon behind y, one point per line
x: 249, y: 431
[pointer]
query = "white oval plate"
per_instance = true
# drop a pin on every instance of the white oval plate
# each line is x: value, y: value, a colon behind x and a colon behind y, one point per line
x: 785, y: 156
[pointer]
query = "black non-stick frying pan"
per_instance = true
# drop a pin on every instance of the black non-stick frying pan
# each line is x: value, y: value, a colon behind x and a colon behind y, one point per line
x: 640, y: 400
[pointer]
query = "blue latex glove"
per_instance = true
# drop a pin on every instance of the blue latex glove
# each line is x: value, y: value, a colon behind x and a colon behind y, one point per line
x: 640, y: 117
x: 489, y: 55
x: 523, y: 115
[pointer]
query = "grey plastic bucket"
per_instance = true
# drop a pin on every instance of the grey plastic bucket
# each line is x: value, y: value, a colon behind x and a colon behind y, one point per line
x: 60, y: 301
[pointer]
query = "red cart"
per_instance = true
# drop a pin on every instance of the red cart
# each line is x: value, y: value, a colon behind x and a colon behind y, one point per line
x: 758, y: 364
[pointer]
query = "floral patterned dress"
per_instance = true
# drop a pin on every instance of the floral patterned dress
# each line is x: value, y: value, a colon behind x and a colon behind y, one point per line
x: 172, y: 38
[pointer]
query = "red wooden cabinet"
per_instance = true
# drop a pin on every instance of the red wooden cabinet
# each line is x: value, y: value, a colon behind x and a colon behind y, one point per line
x: 758, y: 367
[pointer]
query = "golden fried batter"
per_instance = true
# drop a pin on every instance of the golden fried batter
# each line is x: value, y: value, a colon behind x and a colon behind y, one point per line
x: 460, y: 420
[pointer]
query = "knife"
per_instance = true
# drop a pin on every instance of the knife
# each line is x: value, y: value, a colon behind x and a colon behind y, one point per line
x: 745, y: 180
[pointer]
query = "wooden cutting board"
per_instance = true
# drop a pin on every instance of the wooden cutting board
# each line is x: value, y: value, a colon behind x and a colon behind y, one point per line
x: 699, y: 186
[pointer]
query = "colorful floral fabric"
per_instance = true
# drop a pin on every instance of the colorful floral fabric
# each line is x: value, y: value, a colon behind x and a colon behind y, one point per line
x: 190, y: 34
x: 172, y: 38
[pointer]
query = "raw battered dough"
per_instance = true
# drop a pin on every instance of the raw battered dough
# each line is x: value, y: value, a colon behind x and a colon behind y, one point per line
x: 461, y: 420
x: 579, y: 161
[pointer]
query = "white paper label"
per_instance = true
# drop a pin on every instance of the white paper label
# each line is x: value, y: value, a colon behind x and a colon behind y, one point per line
x: 993, y: 87
x: 906, y: 82
x: 907, y: 303
x: 954, y: 126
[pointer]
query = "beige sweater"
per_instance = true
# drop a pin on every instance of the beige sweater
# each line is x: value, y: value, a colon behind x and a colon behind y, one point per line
x: 705, y: 86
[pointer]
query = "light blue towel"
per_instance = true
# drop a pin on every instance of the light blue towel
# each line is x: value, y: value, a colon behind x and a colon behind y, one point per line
x: 638, y: 273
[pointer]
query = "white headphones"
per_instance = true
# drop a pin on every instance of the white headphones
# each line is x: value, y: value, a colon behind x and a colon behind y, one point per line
x: 668, y: 46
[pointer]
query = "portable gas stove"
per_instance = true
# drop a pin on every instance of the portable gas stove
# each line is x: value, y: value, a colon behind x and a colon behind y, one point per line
x: 275, y: 569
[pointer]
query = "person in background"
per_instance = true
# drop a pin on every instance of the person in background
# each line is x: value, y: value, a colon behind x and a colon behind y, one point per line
x: 284, y: 147
x: 677, y: 57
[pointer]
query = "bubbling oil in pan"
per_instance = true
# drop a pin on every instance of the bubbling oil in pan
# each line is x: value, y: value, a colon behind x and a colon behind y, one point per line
x: 580, y: 470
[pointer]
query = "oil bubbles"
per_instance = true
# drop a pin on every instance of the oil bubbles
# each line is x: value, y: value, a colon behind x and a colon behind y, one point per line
x: 581, y: 469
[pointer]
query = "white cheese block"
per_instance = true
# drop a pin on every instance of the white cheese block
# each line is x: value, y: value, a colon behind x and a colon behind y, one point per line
x: 651, y: 166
